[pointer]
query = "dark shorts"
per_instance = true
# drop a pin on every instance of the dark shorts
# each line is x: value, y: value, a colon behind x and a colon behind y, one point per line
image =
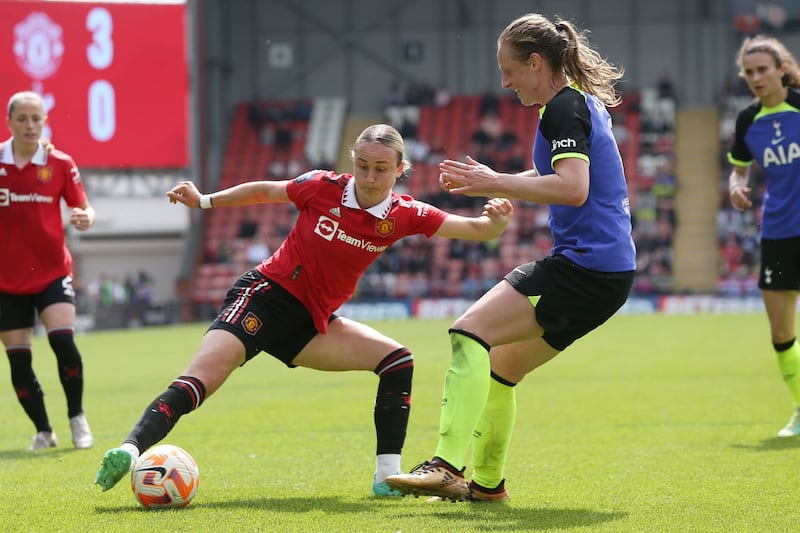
x: 572, y: 300
x: 266, y: 317
x: 780, y: 264
x: 18, y: 311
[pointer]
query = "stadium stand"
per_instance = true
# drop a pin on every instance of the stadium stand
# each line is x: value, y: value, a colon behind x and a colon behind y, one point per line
x: 737, y: 231
x: 254, y: 152
x: 650, y: 124
x: 433, y: 130
x: 476, y: 125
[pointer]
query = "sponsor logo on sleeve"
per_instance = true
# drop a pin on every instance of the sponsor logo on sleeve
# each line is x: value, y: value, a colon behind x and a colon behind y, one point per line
x: 562, y: 144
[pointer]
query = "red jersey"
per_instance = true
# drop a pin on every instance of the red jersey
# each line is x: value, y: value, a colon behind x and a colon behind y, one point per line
x: 32, y: 234
x: 334, y: 240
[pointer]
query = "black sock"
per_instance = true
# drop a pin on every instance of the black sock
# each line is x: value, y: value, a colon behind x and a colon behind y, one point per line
x: 393, y: 400
x: 70, y: 368
x: 185, y: 394
x: 29, y: 392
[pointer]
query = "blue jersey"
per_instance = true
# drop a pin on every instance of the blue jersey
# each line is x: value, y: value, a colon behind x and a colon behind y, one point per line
x: 771, y: 137
x: 596, y: 235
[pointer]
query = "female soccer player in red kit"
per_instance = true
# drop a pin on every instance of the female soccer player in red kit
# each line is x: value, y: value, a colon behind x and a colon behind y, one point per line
x: 285, y: 306
x: 36, y: 271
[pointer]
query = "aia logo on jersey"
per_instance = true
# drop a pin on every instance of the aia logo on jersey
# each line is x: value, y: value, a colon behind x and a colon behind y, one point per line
x: 251, y: 323
x: 45, y: 174
x: 384, y: 227
x: 326, y: 228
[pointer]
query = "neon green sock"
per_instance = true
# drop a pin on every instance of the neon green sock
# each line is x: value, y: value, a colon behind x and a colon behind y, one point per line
x: 789, y: 365
x: 493, y: 435
x: 466, y: 388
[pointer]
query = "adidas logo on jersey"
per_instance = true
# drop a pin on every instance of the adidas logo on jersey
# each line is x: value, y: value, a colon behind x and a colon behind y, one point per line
x: 335, y: 211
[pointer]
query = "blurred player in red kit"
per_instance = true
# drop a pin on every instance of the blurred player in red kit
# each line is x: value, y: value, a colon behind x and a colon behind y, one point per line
x: 36, y: 271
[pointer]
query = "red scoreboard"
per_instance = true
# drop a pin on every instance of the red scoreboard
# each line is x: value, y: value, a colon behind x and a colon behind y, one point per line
x: 114, y: 77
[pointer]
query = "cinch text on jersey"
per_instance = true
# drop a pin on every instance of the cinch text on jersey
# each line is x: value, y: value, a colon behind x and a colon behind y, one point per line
x: 563, y: 143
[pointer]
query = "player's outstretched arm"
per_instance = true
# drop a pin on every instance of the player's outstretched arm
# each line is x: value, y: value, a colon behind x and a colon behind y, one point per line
x: 494, y: 219
x: 254, y: 192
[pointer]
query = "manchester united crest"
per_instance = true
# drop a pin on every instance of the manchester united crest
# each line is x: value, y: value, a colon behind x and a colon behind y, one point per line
x: 38, y: 46
x: 384, y: 227
x: 251, y: 323
x: 45, y: 174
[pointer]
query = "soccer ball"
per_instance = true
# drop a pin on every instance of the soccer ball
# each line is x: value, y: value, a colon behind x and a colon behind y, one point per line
x: 165, y: 476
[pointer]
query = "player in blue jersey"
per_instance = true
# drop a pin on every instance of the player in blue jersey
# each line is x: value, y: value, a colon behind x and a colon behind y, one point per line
x: 541, y: 307
x: 768, y: 132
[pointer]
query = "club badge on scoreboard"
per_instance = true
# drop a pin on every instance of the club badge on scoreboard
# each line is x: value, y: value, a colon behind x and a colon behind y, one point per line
x: 38, y: 46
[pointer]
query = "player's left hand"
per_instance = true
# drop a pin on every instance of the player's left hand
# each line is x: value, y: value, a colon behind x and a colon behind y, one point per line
x: 47, y: 144
x: 80, y: 219
x: 500, y: 207
x: 499, y: 210
x: 470, y: 178
x: 740, y: 197
x: 186, y: 193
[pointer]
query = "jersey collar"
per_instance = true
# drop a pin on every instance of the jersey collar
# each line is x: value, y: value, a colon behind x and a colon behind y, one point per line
x: 380, y: 210
x: 7, y: 156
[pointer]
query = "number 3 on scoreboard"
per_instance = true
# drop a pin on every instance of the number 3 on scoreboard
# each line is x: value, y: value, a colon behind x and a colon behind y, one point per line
x: 100, y: 53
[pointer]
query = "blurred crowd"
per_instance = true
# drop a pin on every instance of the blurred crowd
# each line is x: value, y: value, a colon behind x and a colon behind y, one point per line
x: 738, y: 231
x: 645, y: 129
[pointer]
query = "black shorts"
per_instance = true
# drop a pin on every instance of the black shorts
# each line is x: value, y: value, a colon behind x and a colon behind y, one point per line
x: 572, y: 300
x: 780, y: 264
x: 266, y: 317
x: 18, y: 311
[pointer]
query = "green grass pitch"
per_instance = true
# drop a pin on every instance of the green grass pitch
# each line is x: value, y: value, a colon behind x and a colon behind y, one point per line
x: 651, y: 423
